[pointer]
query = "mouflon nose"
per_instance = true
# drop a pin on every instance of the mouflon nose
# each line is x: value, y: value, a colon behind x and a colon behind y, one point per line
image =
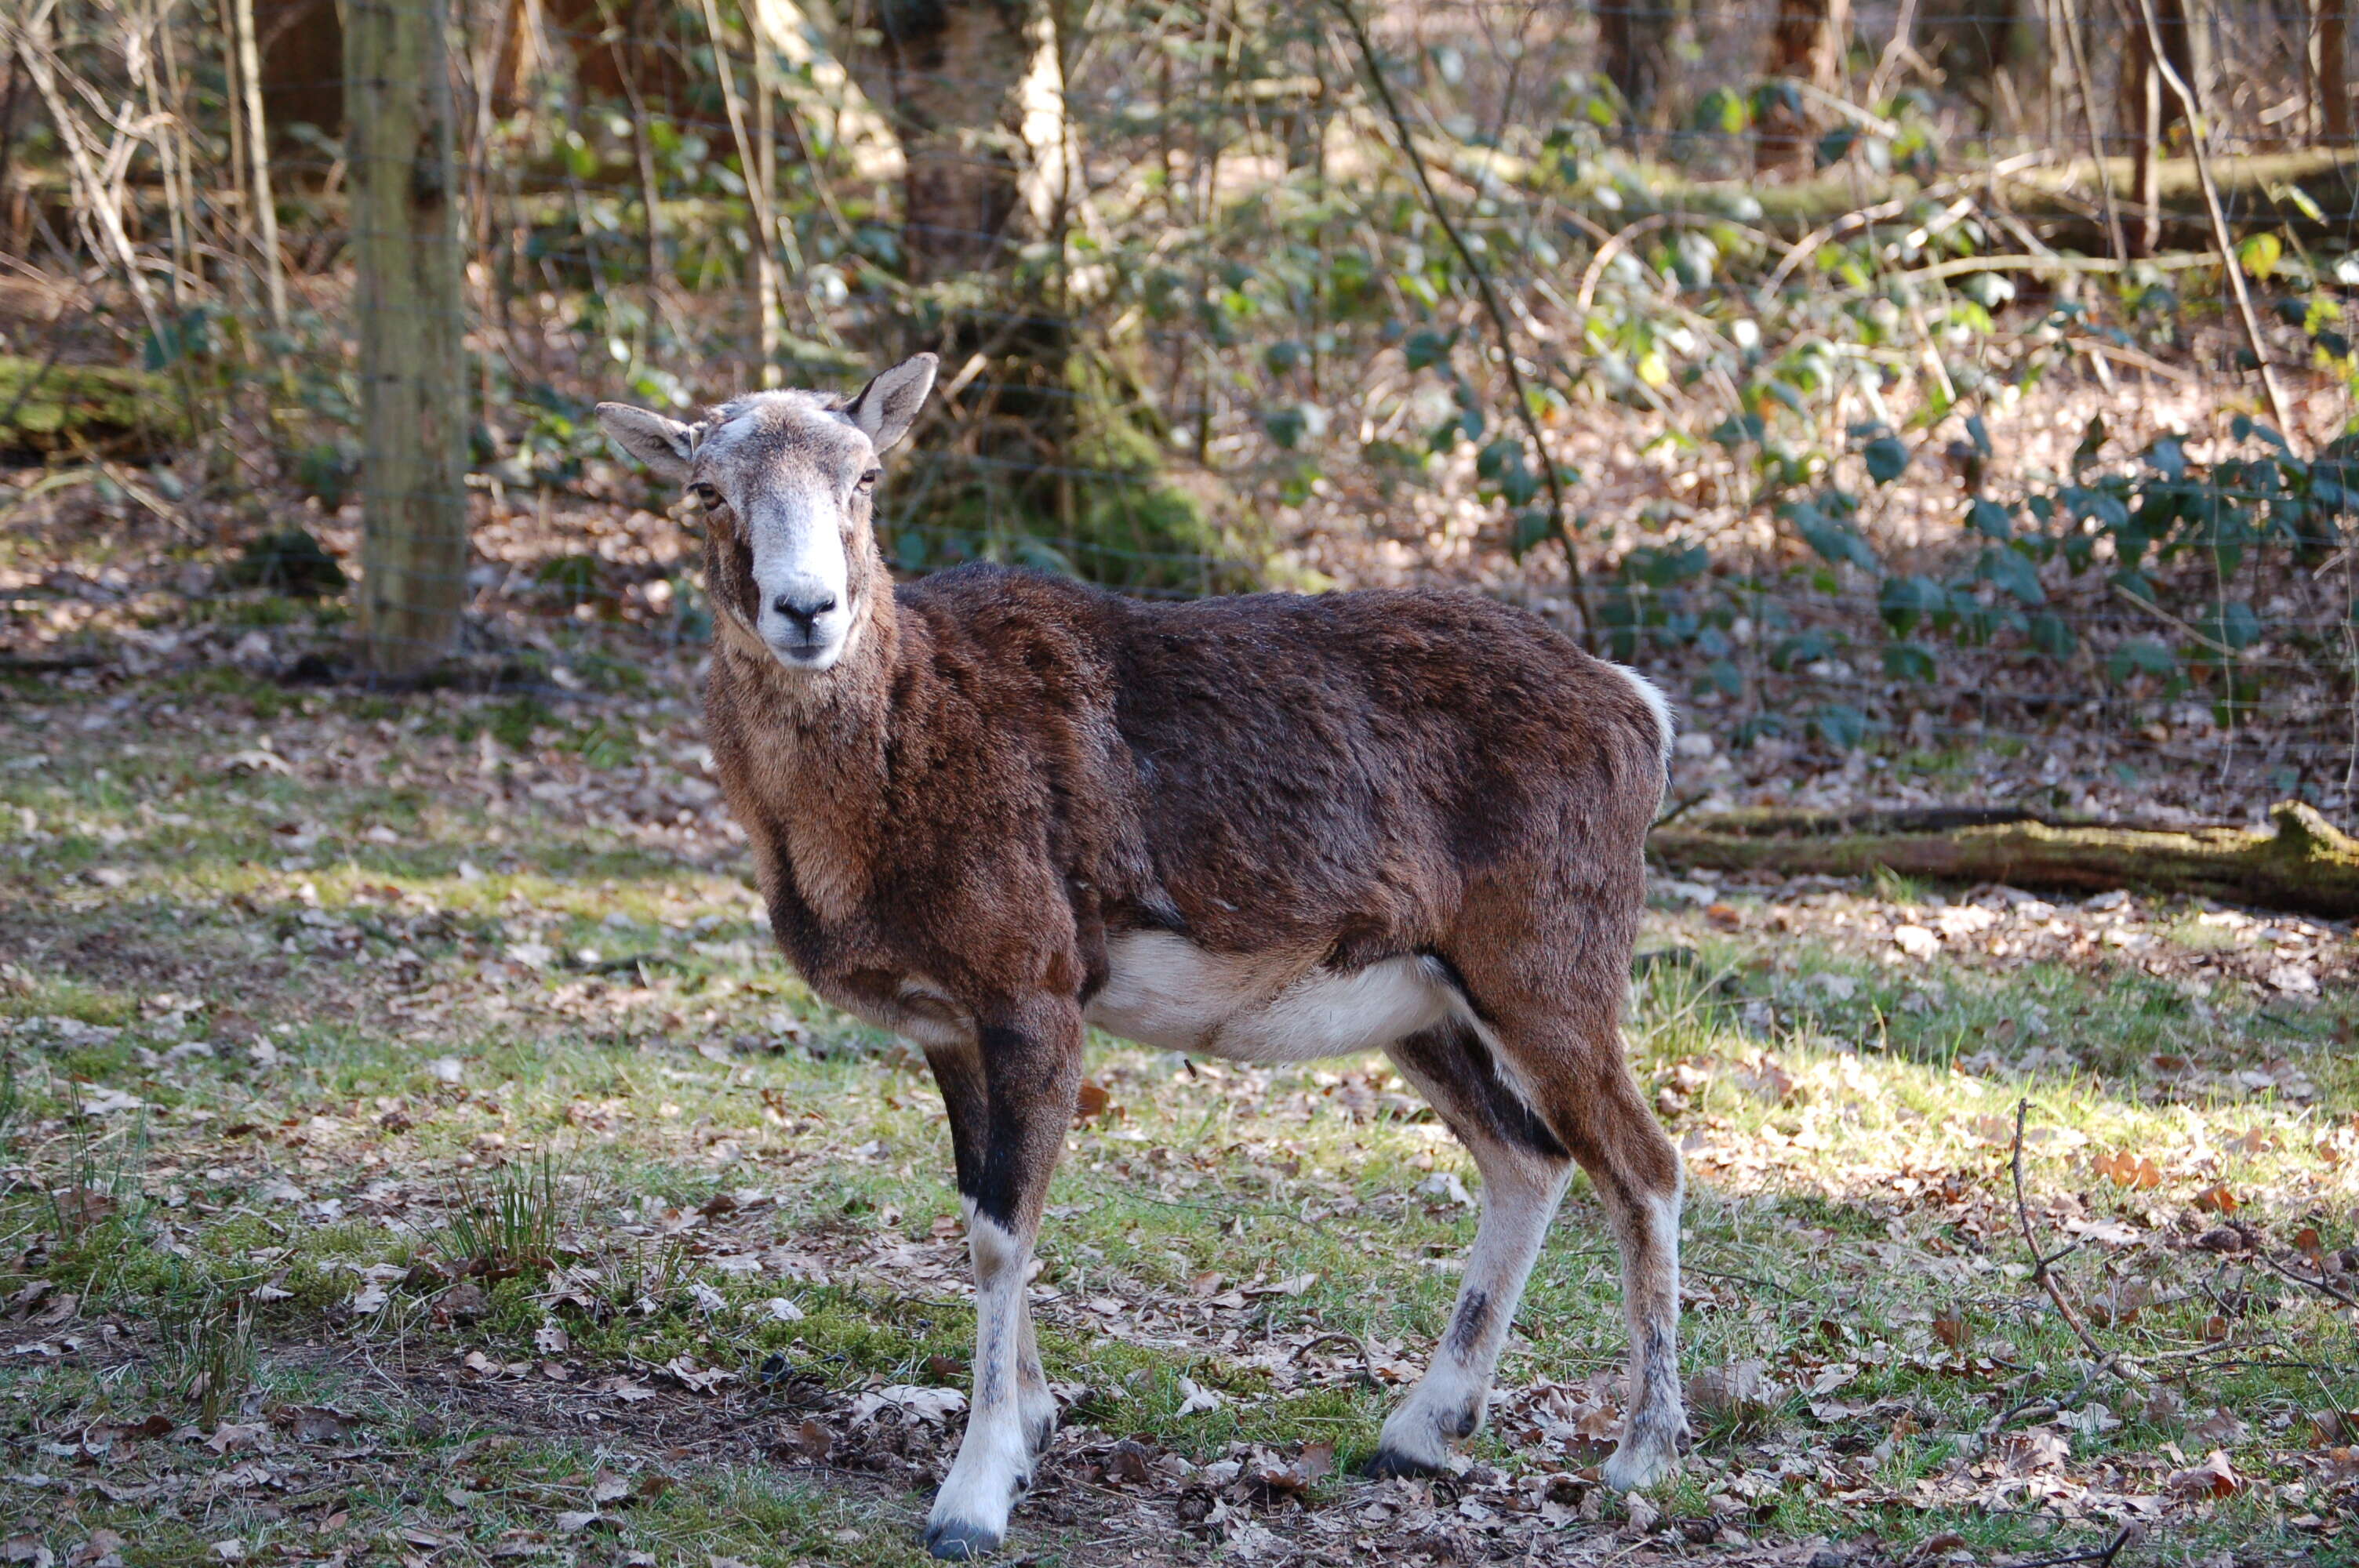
x: 804, y: 613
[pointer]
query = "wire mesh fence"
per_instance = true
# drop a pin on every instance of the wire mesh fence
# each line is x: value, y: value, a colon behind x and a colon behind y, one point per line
x: 1898, y: 381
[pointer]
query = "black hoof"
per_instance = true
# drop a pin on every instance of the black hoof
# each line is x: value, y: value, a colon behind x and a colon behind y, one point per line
x: 955, y: 1541
x: 1387, y: 1463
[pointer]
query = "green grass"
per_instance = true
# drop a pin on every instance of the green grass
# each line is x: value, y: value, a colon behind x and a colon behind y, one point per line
x: 450, y: 1040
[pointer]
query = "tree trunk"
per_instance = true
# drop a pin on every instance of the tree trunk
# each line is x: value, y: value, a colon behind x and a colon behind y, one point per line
x: 413, y: 403
x: 1633, y: 37
x: 2330, y: 66
x: 821, y: 92
x: 2149, y: 109
x: 618, y: 51
x: 264, y: 200
x: 976, y: 89
x: 953, y: 69
x: 301, y: 43
x: 1805, y: 46
x: 1972, y: 41
x: 2305, y: 864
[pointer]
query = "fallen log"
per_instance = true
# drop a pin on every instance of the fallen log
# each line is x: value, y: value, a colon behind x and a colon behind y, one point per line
x: 48, y: 408
x: 2312, y: 193
x: 2303, y: 863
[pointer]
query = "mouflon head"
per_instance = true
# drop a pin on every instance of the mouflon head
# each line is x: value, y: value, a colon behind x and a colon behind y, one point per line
x: 793, y: 476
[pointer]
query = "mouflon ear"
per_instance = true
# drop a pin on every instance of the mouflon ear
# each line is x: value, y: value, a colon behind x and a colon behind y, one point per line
x: 886, y: 405
x: 666, y: 446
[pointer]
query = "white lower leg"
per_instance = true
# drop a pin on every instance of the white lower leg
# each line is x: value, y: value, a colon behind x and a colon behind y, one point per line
x: 994, y: 1458
x: 1038, y: 1404
x: 1649, y: 1448
x: 1519, y: 1198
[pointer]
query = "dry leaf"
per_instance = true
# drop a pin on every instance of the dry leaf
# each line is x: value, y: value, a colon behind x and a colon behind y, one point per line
x: 1128, y: 1465
x: 2217, y: 1200
x: 1738, y: 1388
x: 2124, y: 1169
x: 1950, y: 1328
x: 550, y: 1339
x: 25, y: 1549
x: 814, y: 1440
x: 2215, y: 1478
x: 1092, y: 1102
x: 1194, y: 1398
x: 2219, y: 1427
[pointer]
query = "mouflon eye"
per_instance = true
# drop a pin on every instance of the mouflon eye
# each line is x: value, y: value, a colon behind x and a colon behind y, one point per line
x: 868, y: 480
x: 705, y: 493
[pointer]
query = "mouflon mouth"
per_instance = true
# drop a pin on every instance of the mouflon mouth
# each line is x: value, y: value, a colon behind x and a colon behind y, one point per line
x: 813, y: 655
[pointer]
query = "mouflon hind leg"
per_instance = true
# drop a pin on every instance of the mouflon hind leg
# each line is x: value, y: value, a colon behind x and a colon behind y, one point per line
x: 1524, y: 1172
x: 1636, y: 1173
x: 1554, y: 1018
x: 1012, y: 1102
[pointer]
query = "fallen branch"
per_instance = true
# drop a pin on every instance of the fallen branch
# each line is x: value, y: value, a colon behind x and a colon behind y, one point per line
x: 2303, y: 864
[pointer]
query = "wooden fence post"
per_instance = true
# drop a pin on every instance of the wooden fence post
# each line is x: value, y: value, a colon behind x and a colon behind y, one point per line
x: 414, y: 410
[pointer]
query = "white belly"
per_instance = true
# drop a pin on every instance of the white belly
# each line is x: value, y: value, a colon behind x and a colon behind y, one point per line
x: 1164, y: 990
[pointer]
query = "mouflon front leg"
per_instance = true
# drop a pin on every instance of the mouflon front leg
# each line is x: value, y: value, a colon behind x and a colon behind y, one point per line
x: 1028, y: 1060
x: 958, y: 1071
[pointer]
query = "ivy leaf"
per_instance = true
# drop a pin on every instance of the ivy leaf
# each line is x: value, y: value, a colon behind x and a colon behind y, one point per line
x: 1991, y: 520
x: 2013, y: 572
x: 1287, y: 426
x: 1722, y: 111
x: 2092, y: 442
x: 2053, y: 635
x: 2233, y: 625
x: 2260, y: 254
x: 1840, y: 725
x: 1531, y: 528
x: 2144, y: 657
x: 1887, y: 457
x: 1428, y: 348
x: 1834, y: 541
x: 1281, y: 357
x: 1906, y: 600
x: 1908, y: 661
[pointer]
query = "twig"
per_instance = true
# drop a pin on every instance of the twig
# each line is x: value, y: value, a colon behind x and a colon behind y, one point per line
x: 1683, y: 808
x: 1491, y: 308
x: 1368, y: 1352
x: 2220, y: 236
x: 1747, y: 1279
x: 2040, y: 1264
x: 2321, y: 1286
x: 2103, y: 1554
x: 1606, y: 252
